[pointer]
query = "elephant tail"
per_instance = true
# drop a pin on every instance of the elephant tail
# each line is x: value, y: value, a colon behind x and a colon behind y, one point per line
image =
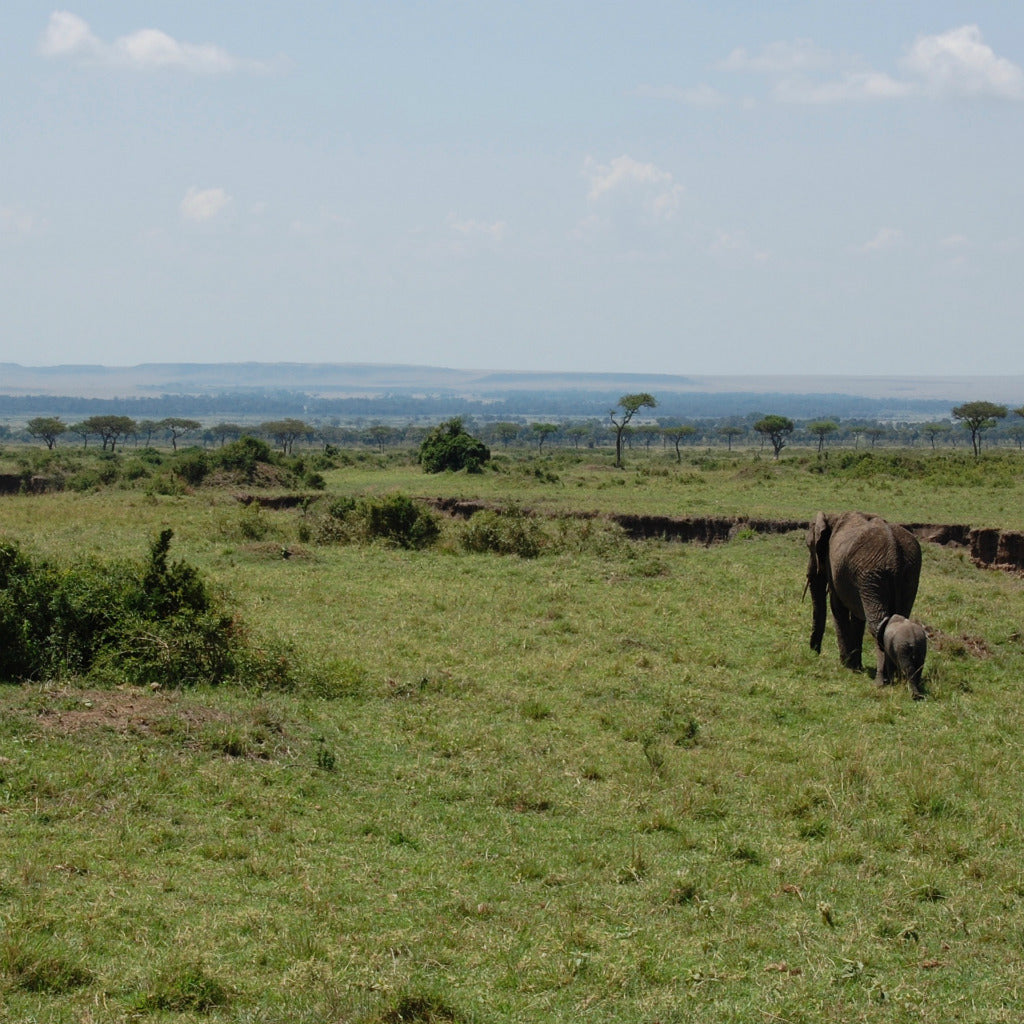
x: 880, y: 635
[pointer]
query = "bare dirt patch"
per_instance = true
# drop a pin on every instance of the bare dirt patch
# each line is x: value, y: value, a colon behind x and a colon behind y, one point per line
x: 963, y: 645
x: 126, y: 711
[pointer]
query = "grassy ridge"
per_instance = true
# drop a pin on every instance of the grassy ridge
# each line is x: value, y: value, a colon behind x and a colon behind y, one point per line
x: 609, y: 785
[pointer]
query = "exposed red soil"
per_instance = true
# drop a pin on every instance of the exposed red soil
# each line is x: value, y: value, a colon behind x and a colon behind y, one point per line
x: 998, y: 549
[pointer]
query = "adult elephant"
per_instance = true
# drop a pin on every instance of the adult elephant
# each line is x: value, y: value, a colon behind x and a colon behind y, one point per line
x: 870, y: 570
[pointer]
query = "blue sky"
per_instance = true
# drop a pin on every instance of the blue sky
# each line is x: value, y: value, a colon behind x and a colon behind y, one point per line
x: 692, y: 188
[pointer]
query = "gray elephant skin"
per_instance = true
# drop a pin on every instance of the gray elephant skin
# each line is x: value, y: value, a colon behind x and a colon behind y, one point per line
x: 905, y: 644
x: 869, y: 569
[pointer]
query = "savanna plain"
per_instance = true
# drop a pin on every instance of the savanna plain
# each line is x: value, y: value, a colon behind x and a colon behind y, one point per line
x: 536, y: 771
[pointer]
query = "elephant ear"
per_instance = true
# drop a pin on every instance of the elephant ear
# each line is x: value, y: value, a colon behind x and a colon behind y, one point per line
x: 817, y: 541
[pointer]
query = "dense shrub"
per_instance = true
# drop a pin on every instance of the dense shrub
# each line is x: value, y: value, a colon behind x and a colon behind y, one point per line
x: 400, y: 521
x: 192, y: 467
x: 244, y: 455
x: 149, y: 621
x: 394, y: 519
x: 450, y: 446
x: 508, y: 532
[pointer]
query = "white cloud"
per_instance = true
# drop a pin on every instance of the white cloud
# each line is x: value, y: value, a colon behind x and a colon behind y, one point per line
x: 201, y: 205
x: 959, y: 63
x: 886, y: 238
x: 16, y: 221
x: 475, y: 229
x: 69, y: 37
x: 861, y: 85
x: 782, y: 58
x: 628, y: 180
x: 736, y: 245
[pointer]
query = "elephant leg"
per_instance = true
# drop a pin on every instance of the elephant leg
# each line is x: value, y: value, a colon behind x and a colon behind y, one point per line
x: 883, y: 668
x: 849, y: 633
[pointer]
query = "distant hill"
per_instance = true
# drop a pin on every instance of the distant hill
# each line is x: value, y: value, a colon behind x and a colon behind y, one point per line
x: 367, y: 389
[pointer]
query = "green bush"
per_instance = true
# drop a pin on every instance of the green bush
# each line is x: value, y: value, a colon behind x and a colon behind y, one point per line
x: 244, y: 455
x: 508, y: 532
x: 450, y: 446
x: 152, y: 621
x: 193, y: 467
x: 397, y: 519
x: 394, y: 519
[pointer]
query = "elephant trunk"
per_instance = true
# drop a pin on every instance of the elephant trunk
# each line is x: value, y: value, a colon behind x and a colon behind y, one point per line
x: 818, y: 587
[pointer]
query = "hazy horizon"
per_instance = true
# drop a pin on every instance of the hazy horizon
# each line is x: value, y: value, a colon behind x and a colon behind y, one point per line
x: 97, y: 380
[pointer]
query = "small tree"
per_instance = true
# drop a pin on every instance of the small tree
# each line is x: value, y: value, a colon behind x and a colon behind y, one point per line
x: 874, y: 433
x: 285, y: 432
x: 577, y: 432
x: 729, y: 431
x: 630, y: 405
x: 176, y: 427
x: 505, y: 431
x: 933, y: 431
x: 978, y: 417
x: 224, y: 432
x: 542, y: 431
x: 1016, y: 431
x: 776, y: 429
x: 146, y: 429
x: 110, y: 429
x: 46, y: 428
x: 379, y: 434
x: 821, y: 429
x: 450, y: 446
x: 677, y: 435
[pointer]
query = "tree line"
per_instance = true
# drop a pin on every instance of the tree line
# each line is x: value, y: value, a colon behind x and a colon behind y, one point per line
x: 630, y: 424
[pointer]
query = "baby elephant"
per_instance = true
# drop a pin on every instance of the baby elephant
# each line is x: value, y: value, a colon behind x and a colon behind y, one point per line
x: 905, y: 645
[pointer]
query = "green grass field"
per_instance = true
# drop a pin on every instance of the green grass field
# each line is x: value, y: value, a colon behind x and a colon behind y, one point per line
x: 609, y: 783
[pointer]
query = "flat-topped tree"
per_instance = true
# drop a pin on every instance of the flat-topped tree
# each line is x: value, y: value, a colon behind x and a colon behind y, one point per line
x: 285, y: 432
x: 978, y: 417
x: 677, y: 435
x: 542, y: 431
x: 630, y: 405
x: 776, y: 429
x: 109, y: 429
x: 821, y: 429
x: 935, y: 430
x: 47, y: 429
x: 176, y: 427
x: 729, y: 431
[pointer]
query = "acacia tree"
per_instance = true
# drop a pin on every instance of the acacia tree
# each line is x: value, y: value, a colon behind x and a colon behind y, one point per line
x: 677, y: 435
x: 978, y: 417
x: 110, y: 429
x: 176, y: 427
x: 729, y: 431
x: 46, y: 428
x: 226, y: 432
x: 543, y: 431
x: 776, y: 429
x: 873, y: 433
x: 505, y: 431
x: 935, y: 430
x: 285, y: 432
x: 577, y: 432
x: 630, y: 405
x: 821, y: 429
